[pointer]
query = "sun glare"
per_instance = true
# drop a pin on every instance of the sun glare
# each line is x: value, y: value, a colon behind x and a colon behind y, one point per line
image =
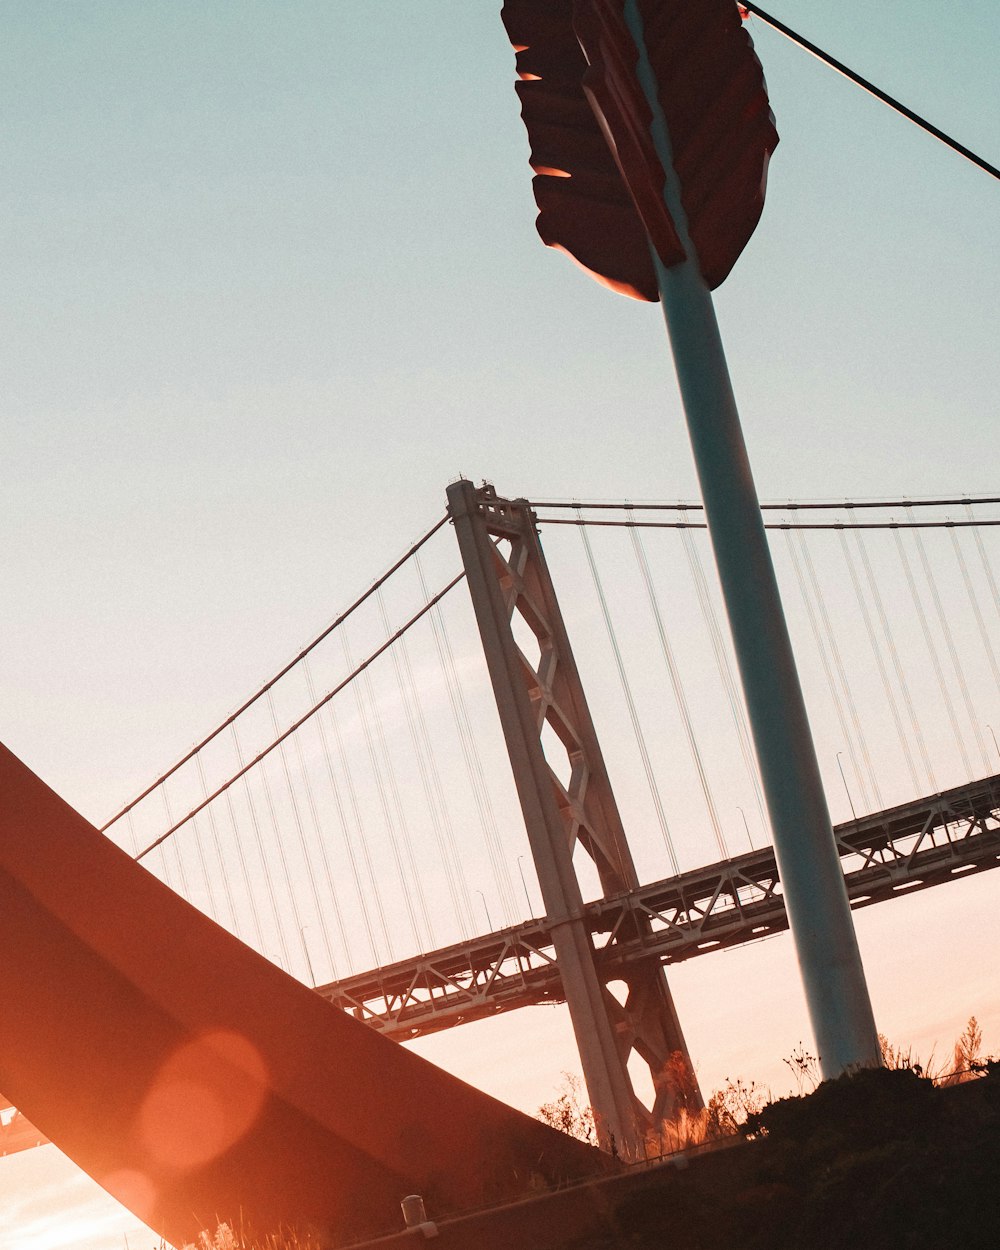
x: 47, y: 1203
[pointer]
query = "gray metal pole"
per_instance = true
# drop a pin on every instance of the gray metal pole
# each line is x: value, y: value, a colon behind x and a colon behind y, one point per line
x: 811, y: 877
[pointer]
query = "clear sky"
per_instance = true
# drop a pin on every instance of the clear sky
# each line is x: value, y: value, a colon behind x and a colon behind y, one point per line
x: 272, y: 281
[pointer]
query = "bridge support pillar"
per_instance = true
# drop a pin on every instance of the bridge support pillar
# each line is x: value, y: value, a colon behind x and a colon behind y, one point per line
x: 507, y: 575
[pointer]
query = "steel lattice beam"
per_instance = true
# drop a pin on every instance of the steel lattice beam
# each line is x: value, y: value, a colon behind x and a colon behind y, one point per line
x: 894, y: 852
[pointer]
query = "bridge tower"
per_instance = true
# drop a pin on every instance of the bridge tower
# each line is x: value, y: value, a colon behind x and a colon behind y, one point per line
x: 508, y: 576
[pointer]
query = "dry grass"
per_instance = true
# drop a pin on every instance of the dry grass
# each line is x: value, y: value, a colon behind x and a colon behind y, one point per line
x: 227, y: 1238
x: 968, y: 1058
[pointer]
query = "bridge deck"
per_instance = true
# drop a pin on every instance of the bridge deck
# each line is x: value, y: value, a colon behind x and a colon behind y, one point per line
x: 17, y: 1133
x: 910, y: 847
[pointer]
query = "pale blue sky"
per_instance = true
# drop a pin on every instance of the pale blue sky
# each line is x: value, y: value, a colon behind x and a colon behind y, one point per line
x: 272, y: 280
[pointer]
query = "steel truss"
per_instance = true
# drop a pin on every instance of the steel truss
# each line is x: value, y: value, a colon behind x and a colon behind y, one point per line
x: 884, y: 856
x: 17, y: 1133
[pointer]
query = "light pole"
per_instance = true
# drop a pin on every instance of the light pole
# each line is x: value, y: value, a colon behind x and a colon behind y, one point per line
x: 489, y: 922
x: 745, y: 825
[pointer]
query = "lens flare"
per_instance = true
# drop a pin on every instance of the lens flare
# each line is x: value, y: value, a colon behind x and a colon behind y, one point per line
x: 204, y: 1099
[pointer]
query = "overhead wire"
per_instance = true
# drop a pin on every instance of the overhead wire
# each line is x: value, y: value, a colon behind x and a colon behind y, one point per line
x: 870, y: 87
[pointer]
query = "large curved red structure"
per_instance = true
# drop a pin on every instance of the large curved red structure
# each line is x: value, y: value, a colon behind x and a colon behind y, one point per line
x: 197, y: 1082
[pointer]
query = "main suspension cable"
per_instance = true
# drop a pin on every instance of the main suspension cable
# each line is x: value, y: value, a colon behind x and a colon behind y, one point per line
x: 773, y: 525
x: 432, y: 603
x: 847, y: 505
x: 334, y: 624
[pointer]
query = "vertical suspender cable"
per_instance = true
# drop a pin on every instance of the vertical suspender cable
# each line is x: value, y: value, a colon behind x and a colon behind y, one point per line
x: 470, y: 754
x: 792, y: 539
x: 206, y: 876
x: 279, y: 842
x: 871, y: 796
x: 991, y: 581
x: 301, y: 837
x: 977, y: 611
x: 949, y: 640
x: 132, y: 834
x: 181, y: 874
x: 413, y: 883
x: 359, y: 828
x: 416, y: 883
x: 841, y: 671
x: 897, y: 666
x: 212, y: 907
x: 259, y: 841
x: 677, y: 687
x: 344, y: 827
x: 424, y: 755
x: 360, y: 689
x: 213, y: 826
x: 956, y: 728
x: 640, y: 738
x: 723, y: 665
x: 331, y: 883
x: 320, y: 837
x: 879, y: 662
x: 244, y: 872
x: 462, y: 900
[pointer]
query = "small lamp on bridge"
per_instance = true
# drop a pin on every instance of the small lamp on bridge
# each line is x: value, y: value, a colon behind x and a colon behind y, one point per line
x: 415, y: 1216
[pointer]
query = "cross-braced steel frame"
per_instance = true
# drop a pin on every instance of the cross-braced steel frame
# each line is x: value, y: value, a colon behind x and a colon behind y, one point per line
x: 567, y: 802
x: 884, y: 856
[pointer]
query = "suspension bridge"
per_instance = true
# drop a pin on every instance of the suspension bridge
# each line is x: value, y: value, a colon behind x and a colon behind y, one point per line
x: 358, y: 822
